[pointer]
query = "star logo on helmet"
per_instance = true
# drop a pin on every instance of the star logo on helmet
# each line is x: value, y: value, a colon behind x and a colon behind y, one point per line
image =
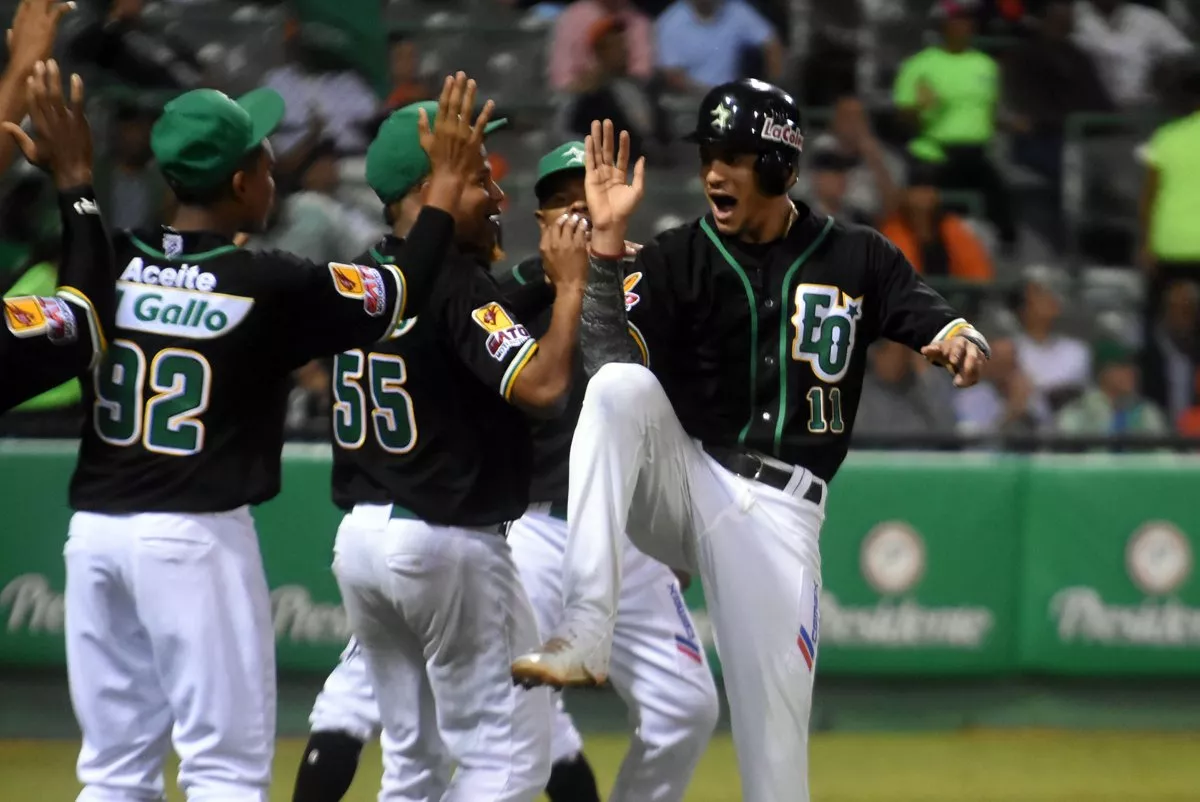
x: 721, y: 115
x: 574, y: 155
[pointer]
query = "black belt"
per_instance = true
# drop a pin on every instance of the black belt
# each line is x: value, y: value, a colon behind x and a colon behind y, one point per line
x: 406, y: 514
x: 749, y: 465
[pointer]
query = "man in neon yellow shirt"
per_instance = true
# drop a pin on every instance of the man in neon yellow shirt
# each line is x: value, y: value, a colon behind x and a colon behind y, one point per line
x: 950, y: 92
x: 1170, y: 208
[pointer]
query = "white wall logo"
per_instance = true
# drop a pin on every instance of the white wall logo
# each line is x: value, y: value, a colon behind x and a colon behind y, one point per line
x: 33, y: 606
x: 179, y: 313
x: 783, y: 132
x: 299, y: 619
x: 1158, y: 558
x: 892, y: 558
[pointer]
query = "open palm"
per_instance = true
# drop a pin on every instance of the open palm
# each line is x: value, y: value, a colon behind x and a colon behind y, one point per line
x: 611, y: 199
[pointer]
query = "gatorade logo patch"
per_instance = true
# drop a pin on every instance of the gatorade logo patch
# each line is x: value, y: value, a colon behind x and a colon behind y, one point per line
x: 631, y: 297
x: 783, y: 132
x: 357, y: 281
x: 31, y: 316
x: 503, y: 334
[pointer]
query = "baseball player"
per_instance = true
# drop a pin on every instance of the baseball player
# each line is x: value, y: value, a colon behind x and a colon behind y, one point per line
x: 168, y: 630
x: 46, y: 341
x: 659, y: 669
x: 432, y: 460
x: 717, y: 461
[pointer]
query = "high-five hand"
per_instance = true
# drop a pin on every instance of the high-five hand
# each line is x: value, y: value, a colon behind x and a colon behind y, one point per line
x: 31, y: 37
x: 62, y: 141
x: 451, y: 141
x: 611, y: 199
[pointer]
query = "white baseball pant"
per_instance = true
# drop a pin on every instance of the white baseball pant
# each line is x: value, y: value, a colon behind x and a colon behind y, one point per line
x: 635, y: 470
x: 440, y: 614
x: 658, y: 665
x: 169, y: 641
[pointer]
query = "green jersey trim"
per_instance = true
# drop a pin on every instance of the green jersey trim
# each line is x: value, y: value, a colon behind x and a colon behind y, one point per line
x: 737, y: 268
x: 784, y: 362
x: 183, y: 257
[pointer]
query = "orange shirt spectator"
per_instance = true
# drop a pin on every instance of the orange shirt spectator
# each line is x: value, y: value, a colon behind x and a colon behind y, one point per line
x: 937, y: 242
x: 572, y: 65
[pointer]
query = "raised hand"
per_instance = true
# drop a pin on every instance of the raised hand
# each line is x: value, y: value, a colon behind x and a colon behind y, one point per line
x: 62, y: 140
x: 451, y: 141
x: 611, y: 199
x: 31, y: 37
x: 958, y: 355
x: 564, y: 250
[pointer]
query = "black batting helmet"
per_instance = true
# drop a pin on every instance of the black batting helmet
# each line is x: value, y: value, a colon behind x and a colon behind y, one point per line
x: 756, y: 117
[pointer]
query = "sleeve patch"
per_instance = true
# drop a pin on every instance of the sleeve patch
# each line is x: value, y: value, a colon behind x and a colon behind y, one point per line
x: 631, y: 297
x: 357, y: 281
x: 34, y: 316
x: 503, y: 334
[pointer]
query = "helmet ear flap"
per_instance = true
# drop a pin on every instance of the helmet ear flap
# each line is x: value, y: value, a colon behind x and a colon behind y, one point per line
x: 773, y: 168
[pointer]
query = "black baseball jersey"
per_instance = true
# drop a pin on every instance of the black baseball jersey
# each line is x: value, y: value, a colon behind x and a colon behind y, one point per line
x: 46, y: 341
x: 424, y: 420
x: 765, y: 345
x: 526, y: 291
x: 186, y: 411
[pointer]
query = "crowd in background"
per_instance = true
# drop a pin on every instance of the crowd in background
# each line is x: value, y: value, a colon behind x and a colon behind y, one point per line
x: 1038, y: 160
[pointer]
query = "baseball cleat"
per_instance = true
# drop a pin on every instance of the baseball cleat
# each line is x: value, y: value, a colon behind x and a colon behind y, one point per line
x: 561, y: 663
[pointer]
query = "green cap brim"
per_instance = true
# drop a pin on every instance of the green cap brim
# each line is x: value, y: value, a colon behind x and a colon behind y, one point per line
x: 495, y: 125
x: 266, y: 109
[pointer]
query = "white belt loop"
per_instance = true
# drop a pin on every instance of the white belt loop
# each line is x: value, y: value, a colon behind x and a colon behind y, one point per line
x: 798, y: 484
x: 373, y: 516
x: 539, y: 508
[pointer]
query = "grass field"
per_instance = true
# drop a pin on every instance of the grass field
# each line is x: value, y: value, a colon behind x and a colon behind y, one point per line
x: 983, y: 766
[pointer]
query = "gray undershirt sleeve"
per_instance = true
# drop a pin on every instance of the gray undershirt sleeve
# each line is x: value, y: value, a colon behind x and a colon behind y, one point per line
x: 603, y: 331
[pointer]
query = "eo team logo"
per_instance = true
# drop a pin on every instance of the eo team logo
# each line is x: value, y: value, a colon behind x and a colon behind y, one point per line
x: 356, y: 281
x: 631, y: 297
x: 1158, y: 558
x: 892, y: 558
x: 33, y: 316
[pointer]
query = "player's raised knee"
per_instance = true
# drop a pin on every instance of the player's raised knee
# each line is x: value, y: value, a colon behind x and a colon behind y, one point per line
x: 623, y: 387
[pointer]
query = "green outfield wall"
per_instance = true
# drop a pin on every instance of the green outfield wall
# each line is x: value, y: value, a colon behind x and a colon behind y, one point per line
x: 933, y: 564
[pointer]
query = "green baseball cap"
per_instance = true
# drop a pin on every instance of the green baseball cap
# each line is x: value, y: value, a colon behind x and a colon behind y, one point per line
x: 567, y: 156
x: 396, y: 162
x: 204, y: 134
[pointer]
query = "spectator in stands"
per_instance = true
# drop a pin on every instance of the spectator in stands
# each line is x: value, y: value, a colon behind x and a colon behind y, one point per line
x: 312, y: 222
x: 1127, y: 41
x: 864, y: 175
x: 616, y: 95
x: 1046, y: 79
x: 1004, y: 402
x: 949, y: 93
x: 702, y: 43
x: 936, y: 241
x: 572, y: 64
x: 133, y: 191
x: 903, y: 395
x: 117, y: 36
x: 1171, y: 357
x: 314, y: 82
x: 404, y: 69
x: 1170, y: 204
x: 1059, y: 366
x: 1115, y: 406
x: 828, y: 182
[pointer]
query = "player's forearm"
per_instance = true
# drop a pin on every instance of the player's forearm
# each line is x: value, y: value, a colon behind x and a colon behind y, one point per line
x: 546, y: 379
x: 88, y: 264
x: 12, y: 109
x: 603, y: 336
x: 421, y: 258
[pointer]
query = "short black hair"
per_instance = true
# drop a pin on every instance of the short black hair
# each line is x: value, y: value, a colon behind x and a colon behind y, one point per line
x: 209, y: 196
x: 546, y: 188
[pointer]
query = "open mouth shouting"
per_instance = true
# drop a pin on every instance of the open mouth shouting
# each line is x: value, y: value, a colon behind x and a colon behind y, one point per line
x: 723, y: 206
